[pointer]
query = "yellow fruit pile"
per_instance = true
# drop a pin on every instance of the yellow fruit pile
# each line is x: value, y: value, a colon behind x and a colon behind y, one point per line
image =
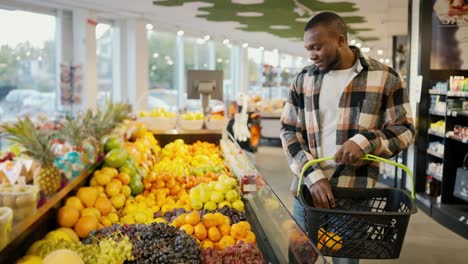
x: 214, y: 230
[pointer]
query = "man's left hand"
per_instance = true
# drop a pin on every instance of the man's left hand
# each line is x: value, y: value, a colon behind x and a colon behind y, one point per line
x: 349, y: 153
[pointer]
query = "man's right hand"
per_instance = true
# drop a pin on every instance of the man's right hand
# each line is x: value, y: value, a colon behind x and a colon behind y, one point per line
x: 322, y: 194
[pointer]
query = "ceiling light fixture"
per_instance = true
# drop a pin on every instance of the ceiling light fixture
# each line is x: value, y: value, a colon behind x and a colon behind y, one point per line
x: 245, y: 45
x: 149, y: 27
x: 180, y: 33
x: 380, y: 52
x: 387, y: 61
x: 226, y: 41
x: 155, y: 55
x: 353, y: 41
x: 381, y: 60
x: 207, y: 37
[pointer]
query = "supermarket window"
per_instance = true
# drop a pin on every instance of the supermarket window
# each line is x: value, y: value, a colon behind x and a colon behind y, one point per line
x: 161, y: 52
x: 27, y: 64
x: 223, y: 62
x: 255, y: 57
x: 104, y: 53
x: 203, y: 53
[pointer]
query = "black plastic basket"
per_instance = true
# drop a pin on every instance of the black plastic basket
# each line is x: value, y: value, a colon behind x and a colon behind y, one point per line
x: 365, y: 223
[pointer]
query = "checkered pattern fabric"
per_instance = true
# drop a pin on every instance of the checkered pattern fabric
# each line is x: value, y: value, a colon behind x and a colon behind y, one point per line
x: 374, y: 112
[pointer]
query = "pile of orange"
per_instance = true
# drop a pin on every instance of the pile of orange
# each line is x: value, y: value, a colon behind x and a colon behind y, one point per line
x: 214, y: 230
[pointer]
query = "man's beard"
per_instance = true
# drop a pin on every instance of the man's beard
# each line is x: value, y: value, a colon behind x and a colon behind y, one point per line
x: 333, y: 64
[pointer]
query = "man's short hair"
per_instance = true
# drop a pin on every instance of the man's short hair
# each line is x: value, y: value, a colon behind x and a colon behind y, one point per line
x: 330, y: 20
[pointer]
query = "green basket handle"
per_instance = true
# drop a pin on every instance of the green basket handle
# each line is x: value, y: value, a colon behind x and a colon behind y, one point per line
x: 366, y: 157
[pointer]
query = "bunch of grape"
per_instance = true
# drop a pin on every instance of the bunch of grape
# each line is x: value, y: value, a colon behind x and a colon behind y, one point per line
x: 157, y: 243
x: 240, y: 254
x: 170, y: 216
x: 234, y: 215
x: 111, y: 251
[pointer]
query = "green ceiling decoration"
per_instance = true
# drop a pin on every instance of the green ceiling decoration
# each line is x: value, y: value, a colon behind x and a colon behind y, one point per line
x: 275, y: 12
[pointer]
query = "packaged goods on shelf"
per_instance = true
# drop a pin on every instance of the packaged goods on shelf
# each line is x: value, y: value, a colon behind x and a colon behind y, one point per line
x: 437, y: 147
x: 440, y: 87
x: 22, y: 199
x: 458, y: 84
x: 435, y: 168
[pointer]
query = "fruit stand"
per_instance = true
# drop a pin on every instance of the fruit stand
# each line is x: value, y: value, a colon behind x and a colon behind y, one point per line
x: 256, y: 222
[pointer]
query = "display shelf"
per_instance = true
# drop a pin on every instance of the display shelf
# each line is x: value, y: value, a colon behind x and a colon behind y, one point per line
x: 36, y: 226
x: 454, y: 217
x: 465, y: 141
x: 434, y: 175
x: 457, y: 94
x: 435, y: 133
x: 425, y: 202
x: 270, y: 115
x: 454, y: 113
x: 435, y: 154
x: 436, y: 113
x: 436, y: 92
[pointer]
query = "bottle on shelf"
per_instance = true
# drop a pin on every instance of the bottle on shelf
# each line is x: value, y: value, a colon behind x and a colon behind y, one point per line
x: 428, y: 184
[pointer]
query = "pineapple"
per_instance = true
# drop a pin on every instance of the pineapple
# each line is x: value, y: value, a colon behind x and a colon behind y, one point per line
x: 72, y: 132
x: 37, y: 146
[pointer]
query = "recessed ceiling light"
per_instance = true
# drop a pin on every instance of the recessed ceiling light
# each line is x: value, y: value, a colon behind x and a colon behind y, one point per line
x: 226, y: 41
x: 380, y: 52
x: 180, y: 33
x: 353, y: 41
x: 387, y: 61
x: 149, y: 27
x: 155, y: 55
x: 249, y: 14
x: 381, y: 60
x: 245, y: 45
x: 219, y: 60
x: 170, y: 62
x: 280, y: 27
x: 207, y: 37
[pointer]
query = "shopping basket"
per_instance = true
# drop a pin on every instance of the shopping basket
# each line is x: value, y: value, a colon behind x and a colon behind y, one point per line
x: 366, y: 223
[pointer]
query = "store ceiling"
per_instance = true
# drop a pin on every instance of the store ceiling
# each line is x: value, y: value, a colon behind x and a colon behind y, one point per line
x: 269, y: 23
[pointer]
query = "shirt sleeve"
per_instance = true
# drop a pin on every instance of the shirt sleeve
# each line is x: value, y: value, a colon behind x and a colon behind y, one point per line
x: 292, y: 136
x: 398, y: 131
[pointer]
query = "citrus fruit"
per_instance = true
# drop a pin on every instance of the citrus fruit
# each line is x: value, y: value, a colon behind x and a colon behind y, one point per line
x: 91, y: 212
x: 238, y: 205
x: 102, y: 178
x: 245, y: 225
x: 187, y: 228
x: 207, y: 244
x: 200, y: 231
x: 333, y: 241
x: 225, y: 229
x: 238, y: 231
x: 57, y: 235
x: 140, y: 218
x: 71, y: 233
x: 113, y: 188
x: 113, y: 217
x: 118, y: 201
x: 87, y: 195
x: 103, y: 205
x: 249, y: 238
x: 124, y: 178
x: 214, y: 234
x: 67, y: 216
x: 74, y: 202
x: 225, y: 242
x: 192, y: 218
x: 126, y: 191
x: 85, y: 224
x: 219, y: 218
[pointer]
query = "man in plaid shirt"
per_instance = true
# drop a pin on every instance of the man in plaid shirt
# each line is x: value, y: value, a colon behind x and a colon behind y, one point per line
x: 345, y: 105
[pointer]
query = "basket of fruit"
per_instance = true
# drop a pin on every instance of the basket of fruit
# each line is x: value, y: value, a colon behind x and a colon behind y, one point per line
x: 364, y: 224
x: 158, y: 119
x: 191, y: 121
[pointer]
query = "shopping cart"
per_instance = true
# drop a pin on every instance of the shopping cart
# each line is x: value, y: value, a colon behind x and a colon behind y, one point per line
x: 366, y: 223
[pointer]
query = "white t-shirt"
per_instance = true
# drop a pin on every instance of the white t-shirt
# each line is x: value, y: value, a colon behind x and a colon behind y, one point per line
x: 333, y: 84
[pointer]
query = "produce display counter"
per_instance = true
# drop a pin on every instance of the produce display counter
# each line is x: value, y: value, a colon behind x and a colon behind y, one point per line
x: 278, y: 235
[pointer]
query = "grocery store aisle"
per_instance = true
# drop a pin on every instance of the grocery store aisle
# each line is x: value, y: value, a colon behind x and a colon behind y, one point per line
x: 426, y: 241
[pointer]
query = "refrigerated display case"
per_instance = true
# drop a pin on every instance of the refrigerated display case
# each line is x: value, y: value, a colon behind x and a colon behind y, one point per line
x: 278, y: 235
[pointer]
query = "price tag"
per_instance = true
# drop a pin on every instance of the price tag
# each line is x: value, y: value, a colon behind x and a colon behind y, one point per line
x: 250, y: 188
x: 454, y: 113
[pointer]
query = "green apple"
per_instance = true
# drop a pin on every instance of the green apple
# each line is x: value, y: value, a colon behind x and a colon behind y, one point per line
x: 216, y: 197
x: 238, y: 205
x: 196, y: 204
x: 210, y: 206
x: 221, y: 187
x: 231, y: 196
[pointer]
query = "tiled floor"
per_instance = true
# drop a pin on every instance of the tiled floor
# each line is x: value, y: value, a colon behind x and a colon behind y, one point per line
x: 426, y: 241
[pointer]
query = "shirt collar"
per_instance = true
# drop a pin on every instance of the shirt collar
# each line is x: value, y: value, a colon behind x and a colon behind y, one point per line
x: 363, y: 59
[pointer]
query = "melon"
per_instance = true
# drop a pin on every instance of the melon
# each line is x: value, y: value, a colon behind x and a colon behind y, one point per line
x: 63, y: 256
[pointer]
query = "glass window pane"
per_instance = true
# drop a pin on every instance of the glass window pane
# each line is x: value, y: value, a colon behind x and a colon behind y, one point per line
x: 161, y: 52
x: 27, y: 64
x: 255, y: 71
x: 223, y: 62
x: 104, y: 62
x: 203, y: 54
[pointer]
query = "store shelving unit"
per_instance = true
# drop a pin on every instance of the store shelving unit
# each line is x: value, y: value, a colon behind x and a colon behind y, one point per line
x: 446, y: 209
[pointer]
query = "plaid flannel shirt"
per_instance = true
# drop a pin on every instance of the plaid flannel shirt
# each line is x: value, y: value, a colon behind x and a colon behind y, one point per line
x: 374, y: 112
